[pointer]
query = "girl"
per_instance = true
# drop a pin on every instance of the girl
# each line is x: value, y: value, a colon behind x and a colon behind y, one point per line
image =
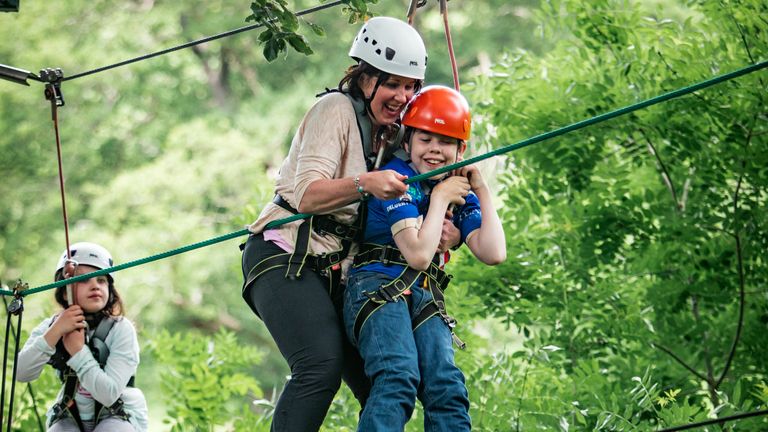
x: 93, y: 348
x: 407, y: 345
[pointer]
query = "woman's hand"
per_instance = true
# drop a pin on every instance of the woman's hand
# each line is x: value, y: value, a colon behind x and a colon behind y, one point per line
x: 450, y: 236
x: 384, y: 185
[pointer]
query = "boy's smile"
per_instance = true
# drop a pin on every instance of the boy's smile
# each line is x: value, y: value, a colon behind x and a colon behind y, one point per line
x: 431, y: 151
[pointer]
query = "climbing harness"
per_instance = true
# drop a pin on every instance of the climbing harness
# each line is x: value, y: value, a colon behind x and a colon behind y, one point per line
x: 434, y: 279
x: 66, y: 406
x: 325, y: 264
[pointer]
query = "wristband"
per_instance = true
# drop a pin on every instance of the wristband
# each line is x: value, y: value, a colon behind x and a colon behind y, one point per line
x: 360, y: 190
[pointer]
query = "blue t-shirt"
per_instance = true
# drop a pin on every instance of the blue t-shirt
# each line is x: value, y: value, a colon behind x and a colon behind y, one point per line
x: 414, y: 203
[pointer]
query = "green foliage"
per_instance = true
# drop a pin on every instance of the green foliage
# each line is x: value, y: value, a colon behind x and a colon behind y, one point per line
x: 205, y: 381
x: 32, y: 400
x: 282, y: 24
x: 633, y: 244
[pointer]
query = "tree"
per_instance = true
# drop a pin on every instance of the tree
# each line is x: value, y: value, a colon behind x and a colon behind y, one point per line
x: 638, y: 266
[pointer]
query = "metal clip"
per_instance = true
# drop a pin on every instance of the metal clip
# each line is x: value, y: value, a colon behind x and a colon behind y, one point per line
x: 53, y: 79
x: 16, y: 306
x: 459, y: 343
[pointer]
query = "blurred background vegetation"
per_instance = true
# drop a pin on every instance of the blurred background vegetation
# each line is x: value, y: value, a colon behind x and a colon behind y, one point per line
x: 634, y: 296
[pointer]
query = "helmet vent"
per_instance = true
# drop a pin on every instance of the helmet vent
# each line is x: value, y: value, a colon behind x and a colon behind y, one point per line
x: 378, y: 51
x: 390, y: 53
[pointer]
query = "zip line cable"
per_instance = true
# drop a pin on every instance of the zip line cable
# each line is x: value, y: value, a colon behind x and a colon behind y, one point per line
x: 195, y: 42
x: 525, y: 143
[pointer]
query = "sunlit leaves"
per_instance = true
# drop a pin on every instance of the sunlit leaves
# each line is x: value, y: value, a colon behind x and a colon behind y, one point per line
x: 282, y: 25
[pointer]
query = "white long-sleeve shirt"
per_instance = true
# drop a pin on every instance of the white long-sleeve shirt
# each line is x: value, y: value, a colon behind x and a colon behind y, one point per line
x: 106, y: 385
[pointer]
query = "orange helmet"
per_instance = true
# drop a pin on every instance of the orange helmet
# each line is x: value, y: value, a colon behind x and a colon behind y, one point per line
x: 441, y: 110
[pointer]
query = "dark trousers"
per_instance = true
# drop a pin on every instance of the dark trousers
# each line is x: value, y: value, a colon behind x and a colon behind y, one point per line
x: 306, y: 324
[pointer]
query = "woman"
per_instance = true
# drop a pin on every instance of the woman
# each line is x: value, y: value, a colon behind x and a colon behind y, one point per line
x: 292, y: 272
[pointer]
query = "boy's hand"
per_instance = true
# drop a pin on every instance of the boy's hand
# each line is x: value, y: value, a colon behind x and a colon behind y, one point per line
x: 453, y: 189
x: 450, y: 235
x: 472, y: 173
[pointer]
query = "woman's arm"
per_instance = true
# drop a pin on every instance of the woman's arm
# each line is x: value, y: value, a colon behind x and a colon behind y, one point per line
x: 326, y: 195
x: 108, y: 384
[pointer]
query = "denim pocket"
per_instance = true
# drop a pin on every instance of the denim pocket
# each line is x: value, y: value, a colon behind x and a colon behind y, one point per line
x: 354, y: 297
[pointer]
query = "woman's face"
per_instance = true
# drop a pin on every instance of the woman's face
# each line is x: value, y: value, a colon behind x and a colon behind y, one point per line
x: 390, y: 98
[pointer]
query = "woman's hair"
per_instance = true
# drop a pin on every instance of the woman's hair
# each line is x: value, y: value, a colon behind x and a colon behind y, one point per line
x: 350, y: 83
x: 114, y: 306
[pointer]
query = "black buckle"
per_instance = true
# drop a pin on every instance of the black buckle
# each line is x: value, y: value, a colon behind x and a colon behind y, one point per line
x: 384, y: 256
x: 376, y: 297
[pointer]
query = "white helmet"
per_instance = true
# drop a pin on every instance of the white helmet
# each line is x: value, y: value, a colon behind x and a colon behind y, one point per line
x: 391, y: 46
x: 86, y: 254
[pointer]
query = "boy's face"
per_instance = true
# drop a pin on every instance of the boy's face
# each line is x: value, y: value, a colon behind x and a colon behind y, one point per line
x: 430, y: 151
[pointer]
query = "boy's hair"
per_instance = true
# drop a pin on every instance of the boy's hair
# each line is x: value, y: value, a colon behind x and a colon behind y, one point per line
x: 114, y: 306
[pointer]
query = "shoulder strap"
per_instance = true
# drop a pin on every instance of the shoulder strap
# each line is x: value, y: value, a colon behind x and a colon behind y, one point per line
x: 97, y: 343
x: 365, y: 128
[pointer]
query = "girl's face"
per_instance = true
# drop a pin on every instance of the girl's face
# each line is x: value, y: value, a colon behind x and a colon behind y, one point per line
x: 390, y: 99
x: 91, y: 294
x: 430, y: 151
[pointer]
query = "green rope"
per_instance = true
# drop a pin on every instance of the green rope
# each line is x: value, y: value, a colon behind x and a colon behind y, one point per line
x: 594, y: 120
x: 538, y: 138
x: 134, y: 263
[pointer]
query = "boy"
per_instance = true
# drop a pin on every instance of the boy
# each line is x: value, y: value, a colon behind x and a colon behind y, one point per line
x: 406, y: 345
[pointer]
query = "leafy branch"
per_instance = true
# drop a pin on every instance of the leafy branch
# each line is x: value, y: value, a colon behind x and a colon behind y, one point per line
x: 282, y: 25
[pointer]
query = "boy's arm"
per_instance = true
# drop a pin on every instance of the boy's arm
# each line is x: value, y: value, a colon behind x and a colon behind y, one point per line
x: 419, y: 244
x: 488, y: 242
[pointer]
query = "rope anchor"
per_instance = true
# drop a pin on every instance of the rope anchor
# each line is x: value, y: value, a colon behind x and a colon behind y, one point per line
x: 16, y: 306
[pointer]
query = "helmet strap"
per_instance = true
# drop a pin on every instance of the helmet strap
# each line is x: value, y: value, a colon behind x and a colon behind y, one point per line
x: 383, y: 76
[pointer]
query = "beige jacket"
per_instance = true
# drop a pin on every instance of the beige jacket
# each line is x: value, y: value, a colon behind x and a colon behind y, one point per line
x: 327, y: 145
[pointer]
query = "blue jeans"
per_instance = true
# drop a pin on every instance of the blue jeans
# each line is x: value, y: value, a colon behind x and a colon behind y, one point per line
x: 404, y: 364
